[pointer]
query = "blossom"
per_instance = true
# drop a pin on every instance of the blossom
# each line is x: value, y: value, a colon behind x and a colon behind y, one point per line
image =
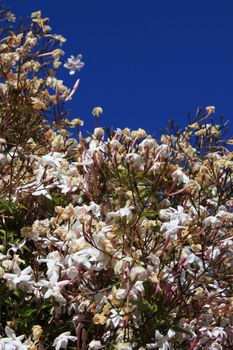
x: 162, y: 342
x: 53, y: 289
x: 95, y: 345
x: 215, y: 346
x: 115, y: 318
x: 210, y: 109
x: 52, y: 159
x: 121, y: 213
x: 138, y: 273
x: 135, y: 292
x: 61, y: 341
x: 19, y: 276
x: 54, y: 264
x: 76, y: 122
x: 12, y: 342
x: 133, y: 226
x: 140, y: 133
x: 74, y: 64
x: 135, y: 158
x: 15, y: 248
x: 180, y: 177
x: 42, y: 191
x: 37, y: 332
x: 97, y: 111
x: 99, y: 319
x: 123, y: 346
x: 176, y: 219
x: 217, y: 332
x: 99, y: 133
x: 148, y: 143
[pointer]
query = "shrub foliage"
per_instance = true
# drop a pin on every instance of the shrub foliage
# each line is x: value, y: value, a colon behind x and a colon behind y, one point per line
x: 112, y: 241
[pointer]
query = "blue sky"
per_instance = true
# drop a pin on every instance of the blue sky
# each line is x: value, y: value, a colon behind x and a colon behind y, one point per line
x: 146, y: 61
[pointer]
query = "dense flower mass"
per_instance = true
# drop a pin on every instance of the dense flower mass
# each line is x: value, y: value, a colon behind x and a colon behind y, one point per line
x: 116, y: 240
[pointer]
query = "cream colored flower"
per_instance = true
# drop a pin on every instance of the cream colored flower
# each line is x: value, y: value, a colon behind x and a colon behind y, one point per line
x: 36, y: 14
x: 57, y: 64
x: 57, y: 53
x: 76, y: 122
x: 38, y: 103
x: 138, y: 133
x: 194, y: 126
x: 2, y: 141
x: 60, y: 38
x: 1, y: 271
x: 99, y: 133
x: 97, y: 111
x: 99, y: 319
x: 37, y: 332
x: 210, y: 109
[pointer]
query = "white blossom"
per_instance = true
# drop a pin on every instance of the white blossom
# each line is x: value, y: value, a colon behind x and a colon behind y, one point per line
x: 12, y: 342
x: 180, y: 177
x: 53, y: 289
x: 18, y: 275
x: 217, y: 332
x: 61, y: 342
x: 138, y: 273
x: 74, y: 64
x: 95, y: 345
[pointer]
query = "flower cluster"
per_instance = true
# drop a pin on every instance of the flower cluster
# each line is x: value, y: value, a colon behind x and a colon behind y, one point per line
x: 117, y: 240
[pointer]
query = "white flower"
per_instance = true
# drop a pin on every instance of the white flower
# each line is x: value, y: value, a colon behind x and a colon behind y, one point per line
x: 54, y: 264
x: 156, y: 167
x: 14, y: 248
x: 180, y: 177
x: 211, y: 220
x: 122, y: 264
x: 66, y: 183
x: 215, y: 346
x: 162, y: 342
x: 74, y: 64
x: 149, y: 143
x: 4, y: 159
x: 163, y: 151
x: 137, y: 290
x: 176, y: 219
x: 210, y: 109
x: 94, y: 208
x: 12, y: 342
x: 187, y: 255
x: 217, y: 332
x: 121, y: 213
x: 95, y: 345
x: 123, y: 346
x: 41, y: 191
x: 61, y: 341
x: 53, y: 289
x: 138, y: 273
x: 52, y: 159
x: 135, y: 158
x: 18, y: 275
x: 87, y: 256
x: 115, y: 318
x: 134, y: 293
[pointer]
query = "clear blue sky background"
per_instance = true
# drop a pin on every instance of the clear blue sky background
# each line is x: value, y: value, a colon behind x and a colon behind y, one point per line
x: 147, y: 61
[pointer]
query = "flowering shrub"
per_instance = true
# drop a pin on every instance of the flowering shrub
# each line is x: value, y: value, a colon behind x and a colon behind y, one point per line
x: 112, y: 241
